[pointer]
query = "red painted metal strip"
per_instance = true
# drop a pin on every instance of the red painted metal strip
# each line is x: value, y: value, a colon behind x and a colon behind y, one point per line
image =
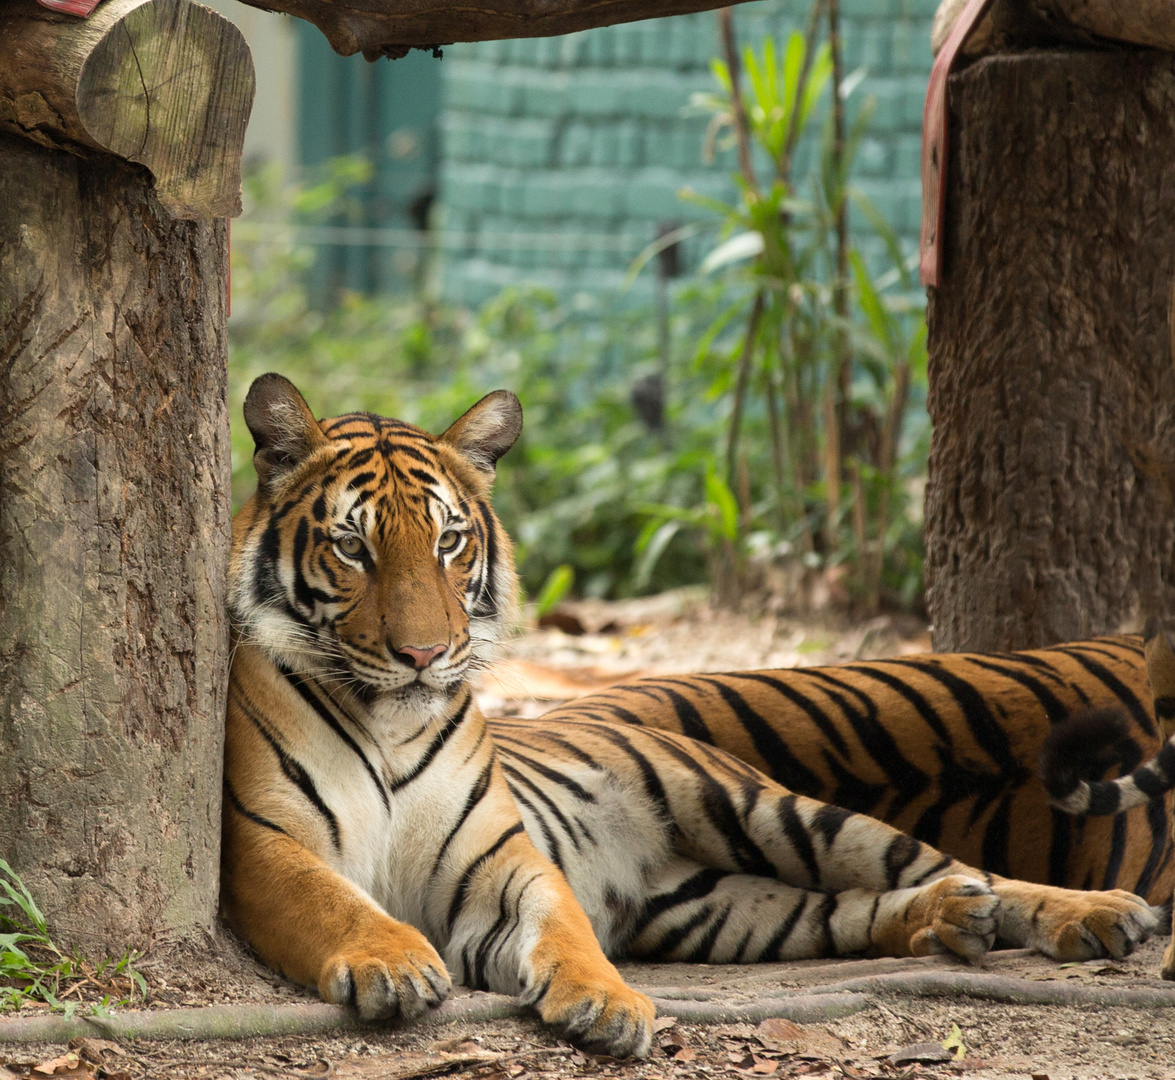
x: 80, y: 8
x: 934, y: 143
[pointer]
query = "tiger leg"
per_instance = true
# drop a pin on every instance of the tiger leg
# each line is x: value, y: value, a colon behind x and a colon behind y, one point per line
x: 516, y: 927
x: 807, y: 842
x: 1168, y: 968
x: 322, y: 930
x: 699, y: 914
x: 1067, y: 924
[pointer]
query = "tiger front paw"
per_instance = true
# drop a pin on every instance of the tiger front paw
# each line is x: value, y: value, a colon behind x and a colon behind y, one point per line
x: 1072, y: 925
x: 957, y: 915
x: 390, y: 972
x: 600, y: 1013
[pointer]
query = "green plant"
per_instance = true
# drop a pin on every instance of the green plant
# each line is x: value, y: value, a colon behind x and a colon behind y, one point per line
x: 34, y: 969
x: 817, y: 383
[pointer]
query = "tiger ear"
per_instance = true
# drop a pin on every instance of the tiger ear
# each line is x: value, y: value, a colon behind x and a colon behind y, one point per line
x: 284, y: 430
x: 487, y: 430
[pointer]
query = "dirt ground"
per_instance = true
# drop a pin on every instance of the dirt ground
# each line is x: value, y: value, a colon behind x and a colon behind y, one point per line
x: 892, y: 1034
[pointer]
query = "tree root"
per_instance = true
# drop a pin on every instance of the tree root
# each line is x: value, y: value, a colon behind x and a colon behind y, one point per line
x: 812, y: 1005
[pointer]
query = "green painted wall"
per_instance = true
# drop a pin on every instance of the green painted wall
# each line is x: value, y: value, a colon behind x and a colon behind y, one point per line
x: 387, y: 112
x: 561, y: 156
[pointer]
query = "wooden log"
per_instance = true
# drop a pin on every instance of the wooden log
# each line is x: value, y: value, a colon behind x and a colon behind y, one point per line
x: 392, y: 27
x: 114, y: 537
x: 1013, y: 24
x: 165, y: 83
x: 1049, y: 511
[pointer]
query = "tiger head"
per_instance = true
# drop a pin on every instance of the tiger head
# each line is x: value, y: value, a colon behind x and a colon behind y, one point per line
x: 369, y: 554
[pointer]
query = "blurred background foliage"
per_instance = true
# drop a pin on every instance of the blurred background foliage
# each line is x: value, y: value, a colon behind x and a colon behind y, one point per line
x: 761, y: 427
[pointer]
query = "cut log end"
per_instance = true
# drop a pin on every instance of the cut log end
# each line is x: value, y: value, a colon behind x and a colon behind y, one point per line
x: 164, y: 83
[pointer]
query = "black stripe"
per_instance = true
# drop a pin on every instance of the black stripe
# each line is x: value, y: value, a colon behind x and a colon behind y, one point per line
x: 1055, y: 711
x: 817, y: 715
x: 797, y: 835
x: 900, y: 686
x: 1059, y: 848
x: 479, y: 966
x: 1159, y: 822
x: 1124, y: 694
x: 695, y: 887
x: 777, y: 941
x: 546, y: 800
x: 688, y: 716
x: 988, y: 732
x: 700, y: 953
x: 476, y: 794
x: 324, y: 712
x: 462, y: 892
x: 434, y: 747
x: 996, y: 837
x: 900, y: 854
x: 1117, y: 852
x: 257, y: 819
x: 673, y: 938
x: 785, y: 766
x: 292, y: 768
x: 554, y: 852
x: 556, y: 777
x: 909, y: 780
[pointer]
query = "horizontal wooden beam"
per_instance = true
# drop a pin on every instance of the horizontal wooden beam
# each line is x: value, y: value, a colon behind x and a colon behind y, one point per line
x: 391, y: 27
x: 163, y: 83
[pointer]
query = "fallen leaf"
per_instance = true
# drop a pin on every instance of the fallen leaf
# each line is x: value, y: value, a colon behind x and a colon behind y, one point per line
x: 920, y: 1053
x: 69, y: 1064
x: 954, y: 1041
x: 460, y: 1045
x: 321, y: 1067
x: 776, y: 1033
x: 93, y: 1049
x: 663, y: 1023
x: 763, y: 1067
x: 1040, y: 1076
x: 684, y: 1054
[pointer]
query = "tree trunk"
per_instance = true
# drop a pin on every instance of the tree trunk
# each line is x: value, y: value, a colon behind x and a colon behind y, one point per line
x: 114, y: 536
x: 1049, y: 508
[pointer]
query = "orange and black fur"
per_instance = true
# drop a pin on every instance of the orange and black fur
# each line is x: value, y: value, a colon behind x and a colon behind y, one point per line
x: 944, y: 747
x: 379, y: 834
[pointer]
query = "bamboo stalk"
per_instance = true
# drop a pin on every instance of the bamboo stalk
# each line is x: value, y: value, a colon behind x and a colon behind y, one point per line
x: 740, y: 388
x: 737, y: 105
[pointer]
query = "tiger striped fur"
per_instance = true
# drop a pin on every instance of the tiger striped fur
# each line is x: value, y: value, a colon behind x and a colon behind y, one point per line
x: 380, y: 834
x: 1086, y: 742
x: 944, y: 747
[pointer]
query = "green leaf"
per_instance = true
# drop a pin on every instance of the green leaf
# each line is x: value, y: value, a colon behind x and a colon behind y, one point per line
x: 651, y: 551
x: 558, y: 582
x: 719, y: 495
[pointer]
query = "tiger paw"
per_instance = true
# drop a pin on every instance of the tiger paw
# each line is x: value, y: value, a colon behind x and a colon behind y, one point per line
x: 957, y: 915
x: 1071, y: 925
x: 600, y: 1013
x: 390, y: 972
x: 1168, y: 968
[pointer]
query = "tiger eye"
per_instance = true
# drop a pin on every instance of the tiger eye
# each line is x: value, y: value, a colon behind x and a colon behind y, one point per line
x: 449, y: 540
x: 350, y: 545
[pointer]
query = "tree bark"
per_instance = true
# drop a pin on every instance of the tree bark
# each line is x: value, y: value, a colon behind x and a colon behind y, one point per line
x: 1049, y: 505
x: 166, y: 83
x: 114, y: 536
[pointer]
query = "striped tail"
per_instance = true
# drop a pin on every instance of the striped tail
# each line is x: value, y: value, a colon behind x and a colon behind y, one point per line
x: 1090, y: 742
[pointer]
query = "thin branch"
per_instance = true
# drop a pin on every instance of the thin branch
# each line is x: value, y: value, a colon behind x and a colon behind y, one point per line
x: 740, y: 388
x: 737, y: 105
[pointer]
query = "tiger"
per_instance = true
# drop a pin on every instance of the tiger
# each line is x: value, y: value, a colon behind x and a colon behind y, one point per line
x: 1089, y: 739
x: 944, y: 747
x: 381, y: 838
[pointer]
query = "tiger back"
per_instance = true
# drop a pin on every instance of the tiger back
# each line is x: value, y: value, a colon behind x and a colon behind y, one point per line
x: 944, y: 747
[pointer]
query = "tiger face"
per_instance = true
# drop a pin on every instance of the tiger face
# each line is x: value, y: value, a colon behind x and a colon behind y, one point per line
x: 370, y: 555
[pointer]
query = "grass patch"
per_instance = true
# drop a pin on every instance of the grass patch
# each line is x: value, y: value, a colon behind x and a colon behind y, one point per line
x: 34, y: 971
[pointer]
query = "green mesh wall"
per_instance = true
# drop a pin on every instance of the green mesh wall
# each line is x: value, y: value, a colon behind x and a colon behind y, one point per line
x: 561, y: 156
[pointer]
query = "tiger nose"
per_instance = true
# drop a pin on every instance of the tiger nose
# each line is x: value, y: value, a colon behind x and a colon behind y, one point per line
x: 421, y: 658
